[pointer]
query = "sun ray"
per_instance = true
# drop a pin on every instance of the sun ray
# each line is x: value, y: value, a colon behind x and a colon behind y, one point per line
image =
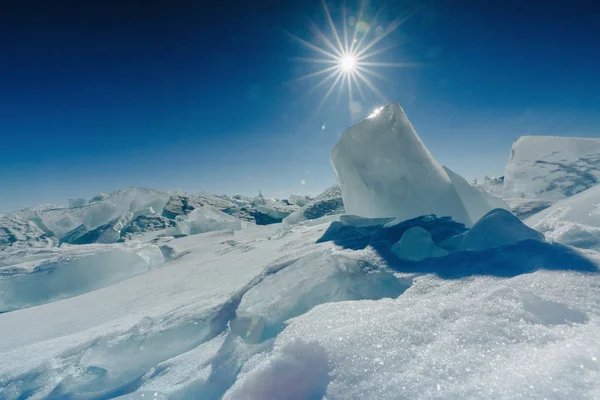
x: 357, y: 49
x: 314, y: 60
x: 389, y: 64
x: 349, y: 64
x: 342, y: 84
x: 391, y: 28
x: 332, y: 25
x: 324, y: 38
x: 358, y: 18
x: 312, y: 75
x: 345, y: 25
x: 310, y: 45
x: 333, y: 85
x: 373, y: 73
x: 378, y: 51
x: 370, y: 85
x: 358, y: 88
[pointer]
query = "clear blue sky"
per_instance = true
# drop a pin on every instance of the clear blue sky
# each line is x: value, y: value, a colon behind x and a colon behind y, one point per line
x: 99, y: 95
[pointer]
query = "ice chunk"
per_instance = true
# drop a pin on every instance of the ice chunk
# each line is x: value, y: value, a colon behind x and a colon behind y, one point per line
x: 476, y: 201
x: 208, y: 219
x: 551, y: 167
x: 298, y: 200
x: 72, y: 274
x: 327, y: 203
x: 183, y: 204
x: 574, y: 221
x: 494, y: 187
x: 317, y: 278
x: 416, y: 244
x: 17, y: 232
x: 101, y: 211
x: 385, y: 170
x: 498, y: 228
x: 273, y: 208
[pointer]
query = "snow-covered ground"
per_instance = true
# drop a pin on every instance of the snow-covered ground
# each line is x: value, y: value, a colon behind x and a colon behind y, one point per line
x: 199, y: 300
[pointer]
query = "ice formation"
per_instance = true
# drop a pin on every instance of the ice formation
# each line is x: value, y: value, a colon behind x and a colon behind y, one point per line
x: 476, y: 201
x: 327, y: 203
x: 574, y: 221
x: 551, y: 168
x: 385, y: 170
x: 70, y: 273
x: 496, y: 229
x: 417, y: 244
x: 208, y: 219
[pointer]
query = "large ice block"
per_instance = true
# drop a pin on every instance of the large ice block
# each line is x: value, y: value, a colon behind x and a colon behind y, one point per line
x: 385, y: 170
x: 551, y: 167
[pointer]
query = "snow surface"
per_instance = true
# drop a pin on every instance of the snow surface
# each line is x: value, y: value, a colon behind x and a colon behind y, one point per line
x: 210, y: 323
x: 574, y: 221
x: 385, y: 170
x: 551, y: 167
x: 323, y: 306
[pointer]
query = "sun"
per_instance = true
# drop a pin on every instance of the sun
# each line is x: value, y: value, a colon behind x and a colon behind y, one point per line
x: 349, y: 58
x: 348, y: 63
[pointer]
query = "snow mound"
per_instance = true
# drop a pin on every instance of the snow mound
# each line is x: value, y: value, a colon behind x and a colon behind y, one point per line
x: 327, y: 203
x: 207, y: 219
x: 72, y: 273
x: 574, y: 221
x: 318, y: 278
x: 476, y: 201
x: 496, y: 229
x: 385, y: 170
x: 551, y: 168
x: 417, y: 244
x: 524, y: 337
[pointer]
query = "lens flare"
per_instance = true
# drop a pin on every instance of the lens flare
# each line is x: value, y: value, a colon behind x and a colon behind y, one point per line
x: 349, y: 58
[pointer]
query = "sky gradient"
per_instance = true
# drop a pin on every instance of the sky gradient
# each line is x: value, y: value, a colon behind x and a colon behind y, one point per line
x: 96, y: 96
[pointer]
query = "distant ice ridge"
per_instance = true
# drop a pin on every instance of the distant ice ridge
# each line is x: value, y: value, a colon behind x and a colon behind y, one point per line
x: 385, y: 170
x: 551, y: 167
x: 327, y: 203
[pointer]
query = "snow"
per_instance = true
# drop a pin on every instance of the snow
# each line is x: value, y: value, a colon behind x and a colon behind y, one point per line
x: 385, y: 170
x: 417, y: 244
x: 476, y: 338
x: 396, y: 299
x: 496, y: 229
x: 574, y: 221
x: 551, y: 168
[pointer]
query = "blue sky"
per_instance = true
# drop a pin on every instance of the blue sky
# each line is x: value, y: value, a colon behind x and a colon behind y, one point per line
x: 96, y: 96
